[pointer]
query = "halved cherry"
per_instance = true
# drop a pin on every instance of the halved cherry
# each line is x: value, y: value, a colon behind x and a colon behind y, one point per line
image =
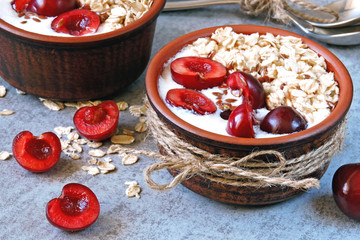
x: 283, y: 119
x: 20, y: 5
x: 97, y: 122
x: 250, y: 86
x: 76, y: 22
x: 77, y: 208
x: 190, y: 99
x: 50, y: 8
x: 197, y: 72
x: 36, y: 154
x: 240, y: 123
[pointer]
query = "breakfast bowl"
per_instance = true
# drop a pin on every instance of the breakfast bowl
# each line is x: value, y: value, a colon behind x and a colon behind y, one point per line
x: 243, y: 170
x: 77, y: 67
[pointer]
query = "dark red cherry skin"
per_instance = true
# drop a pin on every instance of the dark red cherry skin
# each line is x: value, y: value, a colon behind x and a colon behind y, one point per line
x: 197, y: 72
x: 97, y: 122
x: 240, y: 122
x: 51, y: 8
x: 251, y: 87
x: 282, y: 120
x: 190, y: 99
x: 76, y: 209
x: 36, y: 154
x: 346, y: 189
x: 77, y: 22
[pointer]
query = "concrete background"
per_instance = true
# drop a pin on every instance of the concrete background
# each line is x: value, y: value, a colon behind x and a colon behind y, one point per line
x: 179, y: 213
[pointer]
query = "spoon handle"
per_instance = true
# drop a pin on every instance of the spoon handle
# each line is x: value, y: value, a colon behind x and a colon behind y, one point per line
x: 182, y: 5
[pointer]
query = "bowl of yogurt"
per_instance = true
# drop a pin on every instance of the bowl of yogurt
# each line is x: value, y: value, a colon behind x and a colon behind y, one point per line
x: 40, y: 58
x: 281, y: 92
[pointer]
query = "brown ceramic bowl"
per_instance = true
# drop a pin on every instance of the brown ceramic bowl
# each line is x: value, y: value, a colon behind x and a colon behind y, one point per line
x: 293, y: 145
x: 77, y: 68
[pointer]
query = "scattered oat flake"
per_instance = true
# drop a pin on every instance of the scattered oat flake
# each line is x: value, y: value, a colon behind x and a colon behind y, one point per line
x: 81, y: 141
x: 114, y: 148
x: 4, y: 155
x: 63, y: 130
x: 2, y: 91
x: 122, y: 105
x: 91, y: 170
x: 73, y: 136
x: 133, y: 189
x: 141, y: 127
x: 20, y: 92
x: 129, y: 159
x: 77, y: 147
x: 128, y: 132
x: 52, y: 105
x: 122, y: 139
x: 105, y: 167
x: 93, y: 161
x: 108, y: 160
x: 74, y: 156
x: 97, y: 153
x: 93, y: 144
x: 6, y: 112
x: 142, y: 119
x: 135, y: 110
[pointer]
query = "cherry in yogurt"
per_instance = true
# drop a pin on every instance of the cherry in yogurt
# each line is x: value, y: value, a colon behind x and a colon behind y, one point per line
x: 240, y: 122
x: 48, y: 8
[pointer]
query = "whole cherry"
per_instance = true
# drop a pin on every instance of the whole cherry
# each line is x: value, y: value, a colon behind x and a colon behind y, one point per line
x: 77, y: 208
x: 240, y: 122
x: 36, y: 154
x: 346, y: 189
x: 97, y: 122
x: 50, y: 7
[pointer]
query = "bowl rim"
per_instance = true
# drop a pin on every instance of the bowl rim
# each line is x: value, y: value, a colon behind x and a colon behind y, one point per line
x: 153, y: 12
x: 169, y: 50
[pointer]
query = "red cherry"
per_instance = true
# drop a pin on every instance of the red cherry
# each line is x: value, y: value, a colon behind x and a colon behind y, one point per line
x: 77, y: 208
x: 250, y: 86
x: 51, y: 7
x: 197, y: 73
x: 36, y: 154
x: 76, y: 22
x: 190, y: 99
x: 283, y: 119
x: 346, y: 189
x: 240, y: 121
x: 20, y: 5
x: 98, y: 122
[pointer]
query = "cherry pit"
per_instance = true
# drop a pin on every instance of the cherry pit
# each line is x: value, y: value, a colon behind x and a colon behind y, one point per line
x: 197, y: 73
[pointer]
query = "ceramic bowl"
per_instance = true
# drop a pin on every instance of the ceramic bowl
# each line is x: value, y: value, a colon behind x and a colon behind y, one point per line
x: 77, y: 68
x: 291, y: 146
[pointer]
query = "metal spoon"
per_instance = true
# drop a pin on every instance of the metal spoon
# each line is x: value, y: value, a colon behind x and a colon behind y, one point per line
x: 348, y: 11
x: 337, y: 36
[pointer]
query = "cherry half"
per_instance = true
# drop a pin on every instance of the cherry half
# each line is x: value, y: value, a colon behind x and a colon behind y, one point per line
x: 240, y: 122
x: 77, y: 208
x: 48, y: 8
x: 346, y: 189
x: 197, y: 72
x: 97, y: 122
x: 77, y: 22
x: 283, y: 119
x: 20, y: 5
x: 36, y: 154
x: 251, y: 88
x: 190, y: 99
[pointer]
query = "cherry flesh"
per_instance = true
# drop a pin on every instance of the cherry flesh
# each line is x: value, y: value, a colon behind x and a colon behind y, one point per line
x: 77, y: 22
x: 251, y: 87
x: 97, y: 122
x: 20, y: 5
x: 36, y: 154
x: 77, y: 208
x: 346, y: 189
x: 240, y: 122
x: 197, y: 72
x: 283, y: 119
x: 190, y: 99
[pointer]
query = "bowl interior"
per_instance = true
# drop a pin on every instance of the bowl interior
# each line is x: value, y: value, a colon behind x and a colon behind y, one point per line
x: 333, y: 65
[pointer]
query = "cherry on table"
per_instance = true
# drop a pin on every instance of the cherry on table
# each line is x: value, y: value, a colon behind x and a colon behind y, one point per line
x: 346, y: 189
x: 77, y: 22
x: 251, y: 88
x: 283, y: 119
x: 97, y: 122
x: 36, y: 154
x: 77, y: 208
x: 240, y: 122
x: 191, y: 100
x: 197, y: 72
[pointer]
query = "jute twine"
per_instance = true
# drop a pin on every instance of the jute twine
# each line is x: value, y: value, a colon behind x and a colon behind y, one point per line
x: 189, y: 160
x: 277, y: 9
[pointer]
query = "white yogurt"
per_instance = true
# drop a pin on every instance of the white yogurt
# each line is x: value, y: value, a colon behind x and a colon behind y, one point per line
x: 209, y: 122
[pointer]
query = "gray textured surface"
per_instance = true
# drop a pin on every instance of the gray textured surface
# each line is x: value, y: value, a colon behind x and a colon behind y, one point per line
x: 176, y: 214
